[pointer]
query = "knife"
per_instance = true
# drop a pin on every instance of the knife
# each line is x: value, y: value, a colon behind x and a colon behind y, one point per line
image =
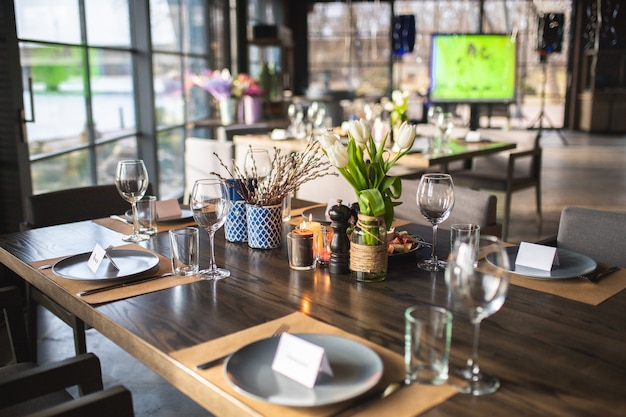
x: 121, y: 219
x: 121, y: 285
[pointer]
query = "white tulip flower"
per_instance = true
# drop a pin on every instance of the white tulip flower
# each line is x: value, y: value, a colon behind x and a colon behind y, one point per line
x: 327, y: 140
x: 406, y: 136
x: 338, y: 155
x: 360, y: 132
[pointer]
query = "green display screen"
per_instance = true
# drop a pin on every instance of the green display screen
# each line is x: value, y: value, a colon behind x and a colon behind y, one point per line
x: 472, y: 68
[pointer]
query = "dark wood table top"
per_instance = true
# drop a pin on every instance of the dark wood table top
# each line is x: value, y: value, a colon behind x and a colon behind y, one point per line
x: 554, y: 356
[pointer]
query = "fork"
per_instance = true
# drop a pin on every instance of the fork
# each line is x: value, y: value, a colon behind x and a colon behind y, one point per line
x: 206, y: 365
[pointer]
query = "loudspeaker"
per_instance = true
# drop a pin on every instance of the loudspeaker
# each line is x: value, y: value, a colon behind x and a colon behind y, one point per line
x: 403, y: 35
x: 550, y: 31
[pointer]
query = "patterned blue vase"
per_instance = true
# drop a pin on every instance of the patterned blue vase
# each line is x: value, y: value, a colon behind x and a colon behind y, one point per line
x: 265, y: 226
x: 236, y: 226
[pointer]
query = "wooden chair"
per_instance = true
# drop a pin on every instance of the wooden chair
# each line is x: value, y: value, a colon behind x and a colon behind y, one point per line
x: 41, y: 390
x: 470, y: 206
x: 598, y: 234
x: 519, y: 170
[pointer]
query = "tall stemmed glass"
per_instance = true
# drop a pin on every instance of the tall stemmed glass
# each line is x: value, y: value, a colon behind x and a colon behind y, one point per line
x: 210, y: 204
x: 480, y: 292
x: 435, y: 198
x: 257, y: 164
x: 131, y: 180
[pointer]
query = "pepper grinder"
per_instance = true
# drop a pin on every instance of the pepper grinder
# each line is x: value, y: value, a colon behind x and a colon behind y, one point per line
x: 340, y: 244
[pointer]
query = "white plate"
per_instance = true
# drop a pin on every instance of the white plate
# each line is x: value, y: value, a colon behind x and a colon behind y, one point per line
x: 131, y: 262
x: 571, y: 264
x: 356, y: 369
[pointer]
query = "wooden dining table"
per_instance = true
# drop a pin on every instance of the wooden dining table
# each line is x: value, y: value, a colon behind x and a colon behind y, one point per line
x: 554, y: 354
x: 458, y: 150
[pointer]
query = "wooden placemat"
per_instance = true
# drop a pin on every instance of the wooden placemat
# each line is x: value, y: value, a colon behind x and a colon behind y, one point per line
x: 127, y: 229
x: 73, y: 286
x: 409, y: 401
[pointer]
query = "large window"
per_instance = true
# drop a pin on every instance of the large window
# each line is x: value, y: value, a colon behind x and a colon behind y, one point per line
x: 108, y: 81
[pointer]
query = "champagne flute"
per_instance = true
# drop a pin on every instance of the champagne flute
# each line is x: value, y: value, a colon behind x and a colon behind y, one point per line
x: 210, y: 203
x: 131, y: 180
x: 480, y: 293
x: 435, y: 198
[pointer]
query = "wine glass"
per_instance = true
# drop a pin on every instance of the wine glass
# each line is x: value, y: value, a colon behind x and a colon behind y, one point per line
x: 210, y: 203
x: 131, y: 180
x: 435, y: 198
x: 480, y: 292
x: 257, y: 164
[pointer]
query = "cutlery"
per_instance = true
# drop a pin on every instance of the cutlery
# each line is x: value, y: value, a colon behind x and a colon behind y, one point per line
x: 121, y: 285
x: 121, y: 219
x: 46, y: 266
x: 597, y: 276
x: 206, y: 365
x: 379, y: 394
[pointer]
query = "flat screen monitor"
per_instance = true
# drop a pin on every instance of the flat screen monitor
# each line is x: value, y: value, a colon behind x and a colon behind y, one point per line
x: 472, y: 68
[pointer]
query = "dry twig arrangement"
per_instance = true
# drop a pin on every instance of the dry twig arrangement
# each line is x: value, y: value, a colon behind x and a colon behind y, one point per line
x: 288, y: 173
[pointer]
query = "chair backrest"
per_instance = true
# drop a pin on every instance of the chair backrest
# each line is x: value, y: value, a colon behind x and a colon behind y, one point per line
x: 241, y: 129
x: 598, y: 234
x: 499, y: 162
x: 200, y: 160
x: 470, y: 206
x: 75, y: 204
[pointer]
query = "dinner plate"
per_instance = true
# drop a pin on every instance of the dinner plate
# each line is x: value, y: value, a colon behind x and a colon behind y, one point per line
x: 185, y: 214
x: 316, y: 214
x: 571, y: 264
x: 131, y: 262
x: 356, y: 369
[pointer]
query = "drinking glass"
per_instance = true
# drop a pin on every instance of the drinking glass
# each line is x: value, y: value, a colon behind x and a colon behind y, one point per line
x: 480, y: 292
x: 435, y: 198
x: 258, y: 164
x: 131, y: 180
x: 210, y: 204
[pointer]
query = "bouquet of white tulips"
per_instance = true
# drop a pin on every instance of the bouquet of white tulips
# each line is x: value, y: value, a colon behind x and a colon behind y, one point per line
x: 365, y: 166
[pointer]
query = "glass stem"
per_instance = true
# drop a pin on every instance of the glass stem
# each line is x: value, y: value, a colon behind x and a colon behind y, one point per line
x: 212, y: 264
x: 433, y: 252
x: 474, y: 361
x: 133, y: 205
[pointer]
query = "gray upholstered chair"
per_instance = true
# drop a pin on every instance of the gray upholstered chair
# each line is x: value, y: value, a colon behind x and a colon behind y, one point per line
x: 599, y: 234
x: 470, y: 206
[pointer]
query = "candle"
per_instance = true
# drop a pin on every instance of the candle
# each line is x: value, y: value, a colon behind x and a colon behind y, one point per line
x: 316, y: 228
x: 300, y: 249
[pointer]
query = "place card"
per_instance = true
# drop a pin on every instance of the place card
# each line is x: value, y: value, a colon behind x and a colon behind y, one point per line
x: 472, y: 136
x: 300, y: 360
x: 536, y: 256
x: 168, y: 209
x: 96, y: 258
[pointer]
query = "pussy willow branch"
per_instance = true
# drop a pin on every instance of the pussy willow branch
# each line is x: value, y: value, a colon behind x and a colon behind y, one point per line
x: 288, y: 173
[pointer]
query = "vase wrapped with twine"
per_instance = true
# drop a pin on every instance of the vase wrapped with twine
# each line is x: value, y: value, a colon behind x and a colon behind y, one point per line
x: 368, y: 249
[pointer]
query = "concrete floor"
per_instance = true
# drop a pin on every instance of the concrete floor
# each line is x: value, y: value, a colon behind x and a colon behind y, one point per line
x: 589, y: 172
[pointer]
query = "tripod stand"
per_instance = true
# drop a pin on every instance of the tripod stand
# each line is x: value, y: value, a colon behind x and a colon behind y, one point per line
x: 543, y: 58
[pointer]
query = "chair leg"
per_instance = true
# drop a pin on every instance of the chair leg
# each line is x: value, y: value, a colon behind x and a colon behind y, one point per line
x: 31, y: 321
x: 539, y: 216
x: 507, y: 215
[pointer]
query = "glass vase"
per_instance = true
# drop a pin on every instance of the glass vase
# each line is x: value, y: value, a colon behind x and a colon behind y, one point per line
x: 368, y: 249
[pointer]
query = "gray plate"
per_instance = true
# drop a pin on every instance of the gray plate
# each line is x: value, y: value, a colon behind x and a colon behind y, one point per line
x: 316, y: 214
x: 356, y: 369
x: 131, y: 262
x: 571, y: 264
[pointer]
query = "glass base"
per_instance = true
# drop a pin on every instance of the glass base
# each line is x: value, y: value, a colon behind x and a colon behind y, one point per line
x: 214, y: 275
x: 430, y: 265
x: 139, y: 237
x: 476, y: 386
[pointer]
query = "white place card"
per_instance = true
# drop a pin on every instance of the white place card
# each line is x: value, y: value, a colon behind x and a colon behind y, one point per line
x: 472, y: 136
x: 300, y: 360
x: 96, y: 258
x: 536, y: 256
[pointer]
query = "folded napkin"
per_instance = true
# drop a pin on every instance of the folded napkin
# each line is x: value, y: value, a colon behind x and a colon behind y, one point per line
x: 576, y: 289
x: 168, y: 209
x: 409, y: 401
x: 73, y: 286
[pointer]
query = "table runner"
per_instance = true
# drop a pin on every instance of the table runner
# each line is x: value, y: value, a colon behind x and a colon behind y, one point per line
x: 127, y: 229
x: 409, y: 401
x: 73, y: 286
x: 575, y: 288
